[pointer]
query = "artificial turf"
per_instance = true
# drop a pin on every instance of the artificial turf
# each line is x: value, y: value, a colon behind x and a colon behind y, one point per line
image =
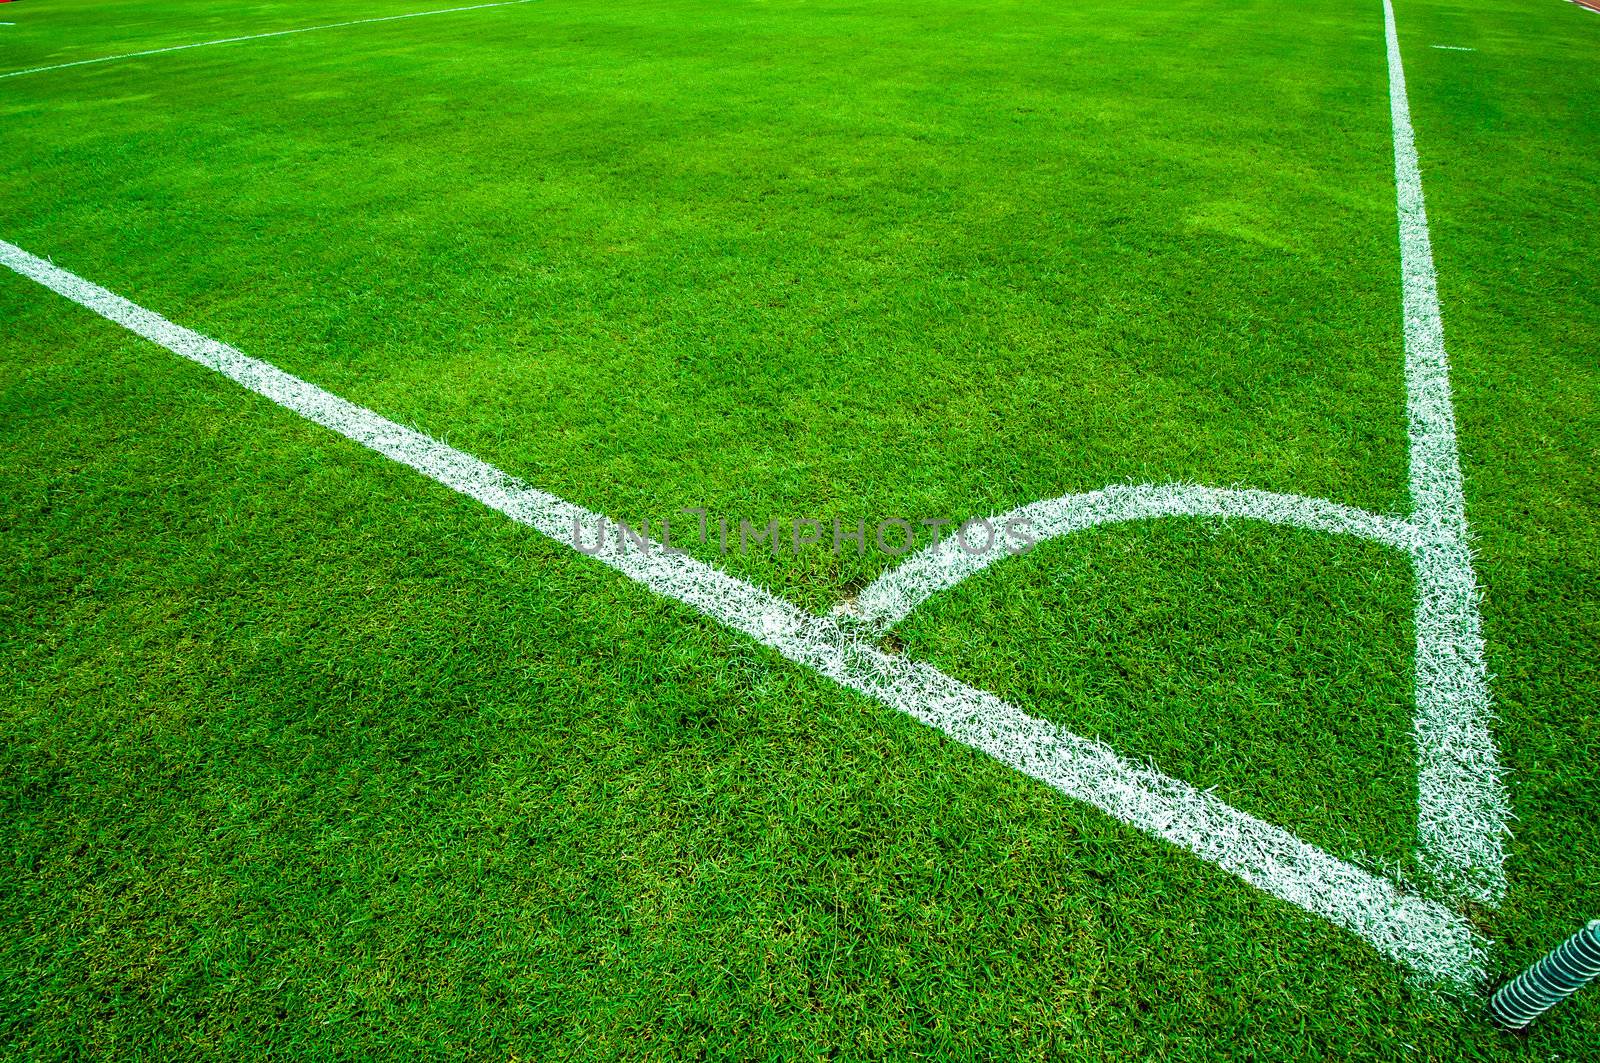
x: 304, y: 754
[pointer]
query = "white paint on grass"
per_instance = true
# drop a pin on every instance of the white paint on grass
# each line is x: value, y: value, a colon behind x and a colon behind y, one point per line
x: 1462, y: 805
x: 1452, y: 48
x: 259, y: 36
x: 1424, y: 935
x: 893, y: 596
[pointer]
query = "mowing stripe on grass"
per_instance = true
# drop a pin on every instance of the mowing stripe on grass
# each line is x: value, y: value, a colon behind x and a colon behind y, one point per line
x: 260, y: 36
x: 1424, y: 935
x: 1462, y: 805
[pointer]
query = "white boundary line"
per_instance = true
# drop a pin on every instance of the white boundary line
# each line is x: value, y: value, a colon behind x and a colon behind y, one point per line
x: 1462, y: 806
x: 259, y: 36
x: 1424, y: 935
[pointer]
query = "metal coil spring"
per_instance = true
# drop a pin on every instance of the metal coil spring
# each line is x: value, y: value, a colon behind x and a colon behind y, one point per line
x: 1564, y: 971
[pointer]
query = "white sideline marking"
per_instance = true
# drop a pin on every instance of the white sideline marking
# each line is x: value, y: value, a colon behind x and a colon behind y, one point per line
x: 1451, y: 48
x: 1461, y: 802
x: 1424, y: 935
x: 257, y: 37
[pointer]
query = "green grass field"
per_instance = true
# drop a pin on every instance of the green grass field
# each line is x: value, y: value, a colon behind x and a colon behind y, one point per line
x: 304, y: 755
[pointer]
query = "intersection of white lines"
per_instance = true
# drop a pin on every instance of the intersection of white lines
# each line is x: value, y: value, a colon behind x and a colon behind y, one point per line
x: 1462, y: 807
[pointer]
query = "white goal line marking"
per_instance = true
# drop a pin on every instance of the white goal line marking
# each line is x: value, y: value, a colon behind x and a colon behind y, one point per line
x: 1462, y: 807
x: 259, y: 36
